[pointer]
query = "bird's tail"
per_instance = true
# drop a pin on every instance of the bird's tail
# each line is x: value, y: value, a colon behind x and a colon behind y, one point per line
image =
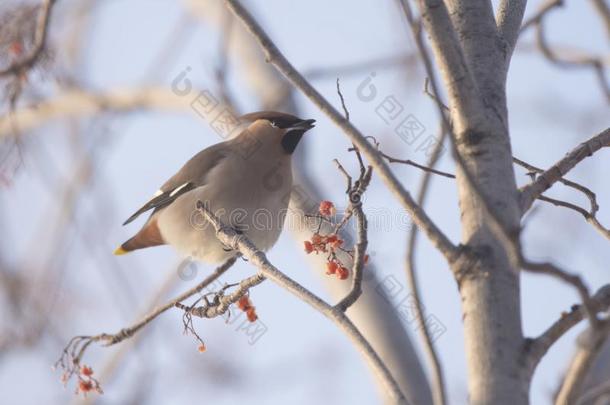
x: 148, y: 236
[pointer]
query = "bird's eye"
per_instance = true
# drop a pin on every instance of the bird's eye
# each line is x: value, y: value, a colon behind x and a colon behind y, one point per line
x: 273, y: 124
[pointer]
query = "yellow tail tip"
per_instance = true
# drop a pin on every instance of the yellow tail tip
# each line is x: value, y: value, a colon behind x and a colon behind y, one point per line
x: 120, y: 251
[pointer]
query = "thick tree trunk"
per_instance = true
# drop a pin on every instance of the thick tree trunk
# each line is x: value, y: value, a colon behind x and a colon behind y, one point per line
x: 489, y: 285
x: 473, y: 59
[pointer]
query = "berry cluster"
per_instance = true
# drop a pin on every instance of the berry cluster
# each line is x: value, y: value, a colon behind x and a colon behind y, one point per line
x: 245, y: 305
x: 330, y: 243
x: 323, y: 243
x: 86, y: 382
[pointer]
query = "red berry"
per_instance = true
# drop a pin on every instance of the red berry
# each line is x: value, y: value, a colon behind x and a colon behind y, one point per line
x: 337, y: 243
x: 316, y: 239
x: 308, y: 247
x: 327, y: 208
x: 251, y: 314
x: 87, y: 371
x: 331, y: 267
x: 202, y: 348
x: 342, y: 273
x: 85, y: 386
x: 244, y: 303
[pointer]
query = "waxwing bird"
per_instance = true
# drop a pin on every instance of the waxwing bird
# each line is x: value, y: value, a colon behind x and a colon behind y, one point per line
x: 246, y: 181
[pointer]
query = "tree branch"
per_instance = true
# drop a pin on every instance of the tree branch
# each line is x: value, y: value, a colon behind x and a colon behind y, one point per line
x: 538, y: 347
x: 275, y: 57
x: 590, y: 344
x: 242, y: 244
x: 221, y: 303
x: 80, y: 103
x: 463, y: 93
x: 77, y: 346
x: 355, y: 206
x: 439, y: 390
x: 546, y: 180
x: 541, y: 13
x: 592, y: 219
x: 509, y: 17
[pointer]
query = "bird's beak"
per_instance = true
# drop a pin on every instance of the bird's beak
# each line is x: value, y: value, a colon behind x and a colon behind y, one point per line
x: 304, y: 125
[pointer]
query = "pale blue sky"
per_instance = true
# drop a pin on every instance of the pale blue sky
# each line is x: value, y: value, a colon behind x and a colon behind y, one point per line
x: 302, y: 358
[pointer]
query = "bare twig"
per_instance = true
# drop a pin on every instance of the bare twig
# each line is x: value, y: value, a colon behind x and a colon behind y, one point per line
x: 590, y: 345
x: 546, y: 179
x: 604, y: 12
x: 242, y: 244
x: 572, y: 279
x: 440, y: 391
x: 40, y: 38
x: 595, y: 63
x: 274, y: 56
x: 355, y: 207
x: 592, y: 62
x: 75, y: 349
x: 541, y: 13
x: 354, y: 194
x: 592, y: 219
x: 422, y: 167
x: 538, y: 347
x: 533, y: 171
x: 222, y: 302
x: 354, y: 147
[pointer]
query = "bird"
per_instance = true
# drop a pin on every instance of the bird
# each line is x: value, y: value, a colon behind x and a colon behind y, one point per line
x: 246, y: 181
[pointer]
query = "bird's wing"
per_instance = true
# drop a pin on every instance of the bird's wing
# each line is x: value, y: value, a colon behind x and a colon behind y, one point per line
x: 192, y: 175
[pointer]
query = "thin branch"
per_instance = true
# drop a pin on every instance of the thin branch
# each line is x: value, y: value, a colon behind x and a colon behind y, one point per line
x: 592, y: 62
x: 221, y: 302
x: 533, y: 171
x: 79, y: 103
x: 126, y: 333
x: 409, y: 162
x: 596, y: 394
x: 538, y: 347
x: 354, y: 147
x: 590, y: 345
x: 257, y: 258
x: 73, y: 352
x: 541, y: 13
x: 440, y: 391
x: 546, y: 179
x: 274, y: 56
x: 573, y: 279
x: 604, y: 12
x: 592, y: 219
x: 40, y: 39
x: 355, y: 207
